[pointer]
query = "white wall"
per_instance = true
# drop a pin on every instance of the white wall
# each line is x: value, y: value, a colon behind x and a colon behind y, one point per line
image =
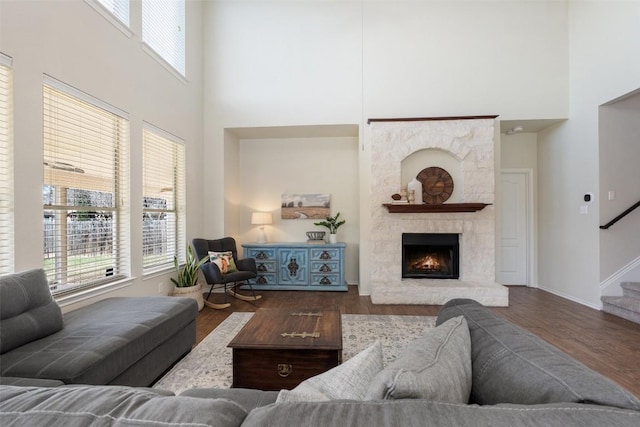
x: 274, y: 63
x: 284, y: 63
x: 451, y: 58
x: 519, y: 151
x: 70, y: 41
x: 605, y: 64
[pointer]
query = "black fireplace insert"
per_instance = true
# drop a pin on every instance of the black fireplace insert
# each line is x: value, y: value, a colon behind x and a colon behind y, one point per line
x: 430, y: 255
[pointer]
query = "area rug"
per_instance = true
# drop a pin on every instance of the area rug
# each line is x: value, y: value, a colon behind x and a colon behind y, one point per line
x: 209, y: 363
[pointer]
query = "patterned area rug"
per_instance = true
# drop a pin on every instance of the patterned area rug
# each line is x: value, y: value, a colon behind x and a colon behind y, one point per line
x: 209, y: 363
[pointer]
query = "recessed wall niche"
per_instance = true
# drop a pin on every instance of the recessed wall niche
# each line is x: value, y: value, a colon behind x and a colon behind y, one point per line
x: 262, y: 163
x: 411, y: 166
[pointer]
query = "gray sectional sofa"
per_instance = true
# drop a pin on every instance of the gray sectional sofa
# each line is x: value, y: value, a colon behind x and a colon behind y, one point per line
x: 127, y: 341
x: 516, y: 380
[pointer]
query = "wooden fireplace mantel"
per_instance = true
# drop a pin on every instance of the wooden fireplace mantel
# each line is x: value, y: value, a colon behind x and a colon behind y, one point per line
x: 429, y: 119
x: 445, y: 207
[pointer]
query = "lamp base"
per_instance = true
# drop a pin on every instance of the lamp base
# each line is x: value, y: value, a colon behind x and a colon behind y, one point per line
x: 262, y: 237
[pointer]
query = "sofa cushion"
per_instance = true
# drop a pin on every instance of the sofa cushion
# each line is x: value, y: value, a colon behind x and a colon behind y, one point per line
x: 436, y: 366
x: 419, y: 413
x: 112, y: 406
x: 101, y: 340
x: 31, y: 382
x: 27, y: 310
x: 511, y: 365
x: 349, y: 380
x: 247, y: 398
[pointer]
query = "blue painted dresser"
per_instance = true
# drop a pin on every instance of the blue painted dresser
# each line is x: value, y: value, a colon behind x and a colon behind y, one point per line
x: 298, y: 266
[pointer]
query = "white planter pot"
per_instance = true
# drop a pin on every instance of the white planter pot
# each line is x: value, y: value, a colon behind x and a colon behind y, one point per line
x: 193, y: 292
x: 333, y: 238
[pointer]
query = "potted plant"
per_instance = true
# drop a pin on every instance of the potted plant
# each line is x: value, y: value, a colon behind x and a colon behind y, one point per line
x: 332, y: 223
x: 186, y: 285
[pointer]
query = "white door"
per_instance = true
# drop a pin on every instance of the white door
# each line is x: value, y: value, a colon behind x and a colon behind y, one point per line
x: 514, y: 244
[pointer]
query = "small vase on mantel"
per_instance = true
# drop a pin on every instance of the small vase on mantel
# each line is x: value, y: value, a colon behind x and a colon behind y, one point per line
x: 416, y: 186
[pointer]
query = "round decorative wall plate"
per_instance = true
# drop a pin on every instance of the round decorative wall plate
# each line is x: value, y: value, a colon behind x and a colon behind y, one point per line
x: 437, y: 185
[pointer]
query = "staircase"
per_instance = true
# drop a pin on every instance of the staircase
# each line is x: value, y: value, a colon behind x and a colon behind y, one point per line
x: 626, y: 306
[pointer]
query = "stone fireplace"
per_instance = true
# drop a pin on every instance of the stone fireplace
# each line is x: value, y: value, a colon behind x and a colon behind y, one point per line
x: 464, y: 147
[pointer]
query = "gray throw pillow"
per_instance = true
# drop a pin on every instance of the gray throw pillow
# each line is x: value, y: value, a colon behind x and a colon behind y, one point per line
x: 436, y: 367
x: 347, y: 381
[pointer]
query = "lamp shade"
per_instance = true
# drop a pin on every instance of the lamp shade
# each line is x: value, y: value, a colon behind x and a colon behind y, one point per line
x: 261, y: 218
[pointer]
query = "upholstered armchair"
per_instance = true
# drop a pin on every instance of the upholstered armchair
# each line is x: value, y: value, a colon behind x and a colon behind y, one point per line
x: 226, y: 270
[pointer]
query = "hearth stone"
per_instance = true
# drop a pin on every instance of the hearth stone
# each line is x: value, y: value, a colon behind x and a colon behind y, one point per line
x: 438, y: 292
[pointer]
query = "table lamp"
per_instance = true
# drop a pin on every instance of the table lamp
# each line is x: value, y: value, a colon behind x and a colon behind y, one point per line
x: 261, y: 219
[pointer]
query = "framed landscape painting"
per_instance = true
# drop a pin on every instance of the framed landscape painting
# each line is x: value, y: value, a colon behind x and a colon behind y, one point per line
x: 306, y: 206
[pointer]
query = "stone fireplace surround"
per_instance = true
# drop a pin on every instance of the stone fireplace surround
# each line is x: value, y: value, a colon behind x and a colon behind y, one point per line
x: 471, y: 142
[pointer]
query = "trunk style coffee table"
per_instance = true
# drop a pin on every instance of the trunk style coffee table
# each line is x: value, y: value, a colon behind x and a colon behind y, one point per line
x: 279, y: 348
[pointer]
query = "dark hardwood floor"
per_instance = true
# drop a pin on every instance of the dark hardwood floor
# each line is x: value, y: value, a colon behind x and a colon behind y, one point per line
x: 606, y: 343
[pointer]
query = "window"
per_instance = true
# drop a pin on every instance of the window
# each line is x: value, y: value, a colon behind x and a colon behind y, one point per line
x: 119, y: 9
x: 114, y: 11
x: 163, y: 30
x: 6, y: 170
x: 85, y: 189
x: 163, y: 219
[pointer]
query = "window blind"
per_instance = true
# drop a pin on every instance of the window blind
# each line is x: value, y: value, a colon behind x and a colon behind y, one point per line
x: 163, y: 30
x: 163, y: 198
x: 119, y: 9
x: 6, y: 166
x: 85, y: 189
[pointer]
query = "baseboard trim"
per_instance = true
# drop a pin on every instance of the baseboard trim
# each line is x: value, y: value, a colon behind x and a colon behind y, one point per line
x: 571, y: 298
x: 616, y: 278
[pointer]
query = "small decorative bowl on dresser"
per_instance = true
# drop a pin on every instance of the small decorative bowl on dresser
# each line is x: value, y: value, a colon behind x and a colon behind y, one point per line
x: 316, y: 235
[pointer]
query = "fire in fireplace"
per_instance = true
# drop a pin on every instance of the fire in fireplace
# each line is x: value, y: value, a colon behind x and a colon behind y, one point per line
x: 430, y: 255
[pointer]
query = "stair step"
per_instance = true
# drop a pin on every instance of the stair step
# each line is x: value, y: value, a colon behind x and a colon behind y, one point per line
x: 631, y: 289
x: 625, y: 307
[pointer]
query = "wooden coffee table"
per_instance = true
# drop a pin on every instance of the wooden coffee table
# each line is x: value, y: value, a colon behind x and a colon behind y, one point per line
x: 279, y: 348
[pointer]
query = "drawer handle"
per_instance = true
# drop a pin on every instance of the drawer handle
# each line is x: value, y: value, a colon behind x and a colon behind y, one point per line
x: 261, y: 255
x: 325, y: 255
x: 293, y: 267
x: 261, y: 280
x: 284, y: 370
x: 262, y: 267
x: 325, y: 268
x: 325, y: 281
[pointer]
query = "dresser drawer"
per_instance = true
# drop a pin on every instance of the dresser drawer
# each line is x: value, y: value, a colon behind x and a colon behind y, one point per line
x: 261, y: 254
x: 265, y: 266
x: 325, y: 267
x: 326, y: 254
x: 325, y: 280
x: 265, y: 279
